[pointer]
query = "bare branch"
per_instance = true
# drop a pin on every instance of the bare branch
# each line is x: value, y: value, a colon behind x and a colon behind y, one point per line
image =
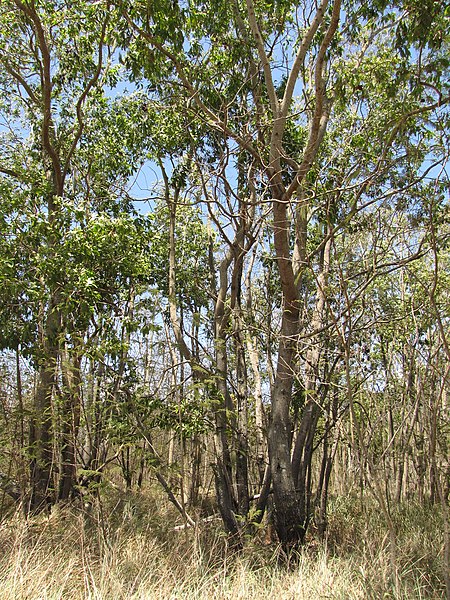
x: 300, y: 57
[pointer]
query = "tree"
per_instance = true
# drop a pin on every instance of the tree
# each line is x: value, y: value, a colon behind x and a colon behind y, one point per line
x: 56, y: 174
x: 300, y: 150
x: 209, y: 51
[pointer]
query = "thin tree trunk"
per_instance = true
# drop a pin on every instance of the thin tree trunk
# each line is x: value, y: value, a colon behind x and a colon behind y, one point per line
x: 303, y: 448
x: 242, y: 449
x: 41, y: 426
x: 252, y: 352
x: 71, y: 373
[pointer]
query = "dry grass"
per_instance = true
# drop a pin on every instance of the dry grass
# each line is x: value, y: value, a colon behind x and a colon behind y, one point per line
x: 133, y: 554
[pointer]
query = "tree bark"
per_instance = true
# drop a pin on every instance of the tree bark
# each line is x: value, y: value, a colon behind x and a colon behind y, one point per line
x: 41, y: 424
x: 71, y: 371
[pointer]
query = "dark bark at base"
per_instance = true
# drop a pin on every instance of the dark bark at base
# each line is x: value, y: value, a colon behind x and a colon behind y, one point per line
x: 68, y: 473
x: 289, y: 518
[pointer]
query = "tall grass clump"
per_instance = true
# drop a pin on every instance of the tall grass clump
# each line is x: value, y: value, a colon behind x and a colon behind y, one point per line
x: 127, y: 548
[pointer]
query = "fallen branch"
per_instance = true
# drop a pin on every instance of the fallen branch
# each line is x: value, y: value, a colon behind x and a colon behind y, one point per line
x: 195, y: 524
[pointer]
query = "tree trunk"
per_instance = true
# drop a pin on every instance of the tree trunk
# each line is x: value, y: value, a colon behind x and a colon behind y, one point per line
x: 70, y: 424
x: 289, y: 518
x: 41, y: 425
x: 242, y: 449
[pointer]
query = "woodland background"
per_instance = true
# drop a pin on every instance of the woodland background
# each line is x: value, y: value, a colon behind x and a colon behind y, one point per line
x: 224, y: 322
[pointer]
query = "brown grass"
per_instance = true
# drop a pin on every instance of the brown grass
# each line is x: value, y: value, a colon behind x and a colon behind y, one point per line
x: 127, y: 549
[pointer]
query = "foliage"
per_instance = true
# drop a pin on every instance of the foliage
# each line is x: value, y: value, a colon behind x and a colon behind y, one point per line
x: 284, y: 300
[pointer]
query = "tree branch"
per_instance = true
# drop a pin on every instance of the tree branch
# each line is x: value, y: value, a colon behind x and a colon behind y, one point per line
x: 30, y: 12
x: 9, y: 172
x: 274, y: 104
x: 322, y: 110
x: 214, y: 120
x: 82, y: 98
x: 20, y: 80
x: 300, y: 57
